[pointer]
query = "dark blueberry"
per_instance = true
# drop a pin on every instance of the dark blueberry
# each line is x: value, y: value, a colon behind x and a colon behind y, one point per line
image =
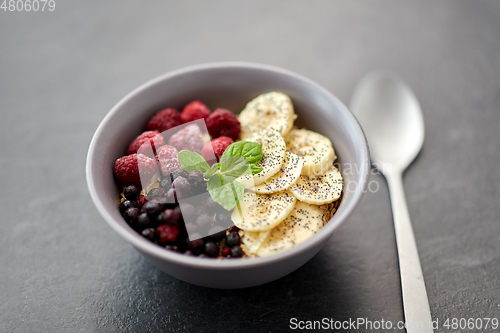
x: 172, y: 248
x: 203, y: 220
x: 171, y: 196
x: 131, y: 192
x: 195, y: 177
x: 187, y: 210
x: 217, y: 233
x: 233, y: 228
x: 126, y: 205
x: 166, y: 183
x: 182, y: 187
x: 211, y: 249
x: 131, y: 215
x: 236, y: 252
x: 223, y: 217
x: 196, y: 243
x: 179, y: 173
x: 152, y: 208
x: 191, y: 227
x: 143, y: 220
x: 169, y: 216
x: 189, y: 253
x: 233, y: 239
x: 212, y: 207
x: 154, y: 193
x: 199, y: 209
x: 149, y: 233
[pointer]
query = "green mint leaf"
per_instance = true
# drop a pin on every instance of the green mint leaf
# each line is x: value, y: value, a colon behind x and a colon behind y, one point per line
x: 192, y: 161
x: 225, y: 191
x: 255, y: 169
x: 252, y: 151
x: 213, y: 169
x: 234, y: 166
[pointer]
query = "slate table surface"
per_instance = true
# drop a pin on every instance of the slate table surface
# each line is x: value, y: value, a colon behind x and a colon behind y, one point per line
x: 62, y: 269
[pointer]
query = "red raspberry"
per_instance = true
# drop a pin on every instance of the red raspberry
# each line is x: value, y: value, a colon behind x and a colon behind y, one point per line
x: 145, y: 137
x: 194, y: 110
x: 127, y: 168
x: 223, y: 122
x: 189, y: 138
x: 141, y: 201
x: 216, y: 147
x: 167, y: 157
x: 164, y: 120
x: 226, y: 252
x: 167, y: 233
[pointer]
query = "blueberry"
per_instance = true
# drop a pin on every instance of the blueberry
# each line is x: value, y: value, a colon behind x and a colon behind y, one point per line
x: 149, y: 233
x: 143, y: 220
x: 152, y: 208
x: 211, y: 249
x: 191, y: 227
x: 195, y: 244
x: 233, y: 239
x: 187, y: 210
x: 166, y: 183
x: 236, y: 252
x: 179, y: 173
x: 154, y: 193
x: 126, y: 205
x: 131, y: 215
x: 169, y: 216
x: 223, y: 217
x: 195, y: 177
x: 131, y: 192
x: 182, y: 187
x: 216, y: 233
x: 211, y: 206
x: 172, y: 248
x: 203, y: 220
x: 171, y: 195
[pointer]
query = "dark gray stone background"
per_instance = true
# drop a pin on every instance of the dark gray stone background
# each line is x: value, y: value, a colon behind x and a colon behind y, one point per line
x: 63, y: 269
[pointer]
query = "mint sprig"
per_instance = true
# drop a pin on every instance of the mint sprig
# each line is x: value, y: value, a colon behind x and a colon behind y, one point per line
x: 240, y: 158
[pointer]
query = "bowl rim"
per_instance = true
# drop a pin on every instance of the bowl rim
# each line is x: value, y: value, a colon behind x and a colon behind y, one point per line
x: 154, y: 250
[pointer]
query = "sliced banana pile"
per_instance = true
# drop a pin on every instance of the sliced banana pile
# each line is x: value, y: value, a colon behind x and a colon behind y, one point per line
x: 295, y: 193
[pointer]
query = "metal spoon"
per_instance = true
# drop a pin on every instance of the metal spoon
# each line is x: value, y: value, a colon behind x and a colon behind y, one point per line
x: 392, y: 120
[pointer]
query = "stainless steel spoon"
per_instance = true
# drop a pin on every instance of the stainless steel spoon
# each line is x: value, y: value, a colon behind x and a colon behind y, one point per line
x: 392, y: 120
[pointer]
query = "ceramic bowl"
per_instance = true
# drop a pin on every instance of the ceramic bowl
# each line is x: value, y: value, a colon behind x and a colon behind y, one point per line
x: 229, y: 85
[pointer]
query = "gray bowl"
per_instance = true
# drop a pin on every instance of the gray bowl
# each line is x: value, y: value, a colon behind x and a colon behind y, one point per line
x: 229, y: 85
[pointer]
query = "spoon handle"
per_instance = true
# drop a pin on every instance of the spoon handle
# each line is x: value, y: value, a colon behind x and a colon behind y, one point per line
x: 415, y: 302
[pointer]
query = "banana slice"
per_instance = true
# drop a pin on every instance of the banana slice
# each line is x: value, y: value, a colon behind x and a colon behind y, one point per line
x: 271, y: 110
x: 319, y: 190
x: 260, y: 212
x: 287, y: 176
x: 315, y: 149
x: 254, y: 239
x: 273, y: 147
x: 303, y: 222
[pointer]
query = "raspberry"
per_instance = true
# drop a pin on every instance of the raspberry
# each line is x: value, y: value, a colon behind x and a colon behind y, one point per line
x: 127, y: 168
x: 164, y: 120
x: 167, y: 157
x: 145, y: 137
x: 223, y: 122
x: 216, y: 147
x: 189, y: 138
x: 194, y: 110
x: 167, y: 233
x: 141, y: 201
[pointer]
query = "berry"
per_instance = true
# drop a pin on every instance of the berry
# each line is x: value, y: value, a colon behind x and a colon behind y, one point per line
x: 211, y: 207
x: 236, y: 252
x: 194, y: 110
x: 182, y: 187
x: 189, y: 138
x: 149, y: 233
x: 191, y: 227
x: 126, y: 205
x: 143, y: 220
x: 165, y: 183
x: 154, y: 193
x: 215, y: 148
x: 164, y: 120
x: 174, y: 248
x: 211, y: 249
x: 141, y: 201
x: 233, y: 229
x: 152, y: 208
x: 146, y: 139
x: 187, y: 210
x: 203, y: 220
x: 131, y: 215
x: 179, y: 173
x: 189, y: 253
x: 171, y: 196
x: 195, y: 177
x: 167, y: 233
x: 217, y: 233
x: 169, y: 216
x: 226, y: 252
x: 131, y: 192
x: 223, y: 122
x: 195, y: 244
x: 223, y: 217
x: 167, y: 158
x: 233, y: 239
x: 127, y: 168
